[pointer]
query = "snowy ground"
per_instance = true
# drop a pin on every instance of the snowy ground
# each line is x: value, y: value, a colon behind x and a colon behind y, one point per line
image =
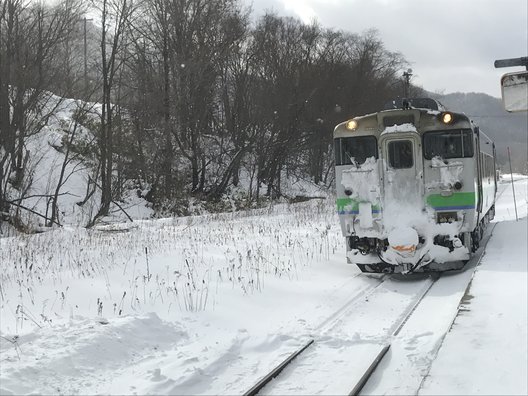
x: 207, y: 305
x: 486, y: 351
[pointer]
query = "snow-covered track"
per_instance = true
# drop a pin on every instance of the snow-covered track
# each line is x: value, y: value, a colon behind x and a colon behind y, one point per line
x: 470, y: 266
x: 322, y: 332
x: 327, y: 324
x: 377, y: 359
x: 365, y: 352
x: 324, y: 325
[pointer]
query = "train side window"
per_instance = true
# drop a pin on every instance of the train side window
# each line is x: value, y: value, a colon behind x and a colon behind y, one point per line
x: 355, y: 150
x: 487, y: 165
x: 401, y: 154
x: 481, y: 165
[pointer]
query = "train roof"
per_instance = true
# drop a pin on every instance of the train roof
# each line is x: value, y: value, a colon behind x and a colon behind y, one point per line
x: 422, y: 119
x: 417, y: 103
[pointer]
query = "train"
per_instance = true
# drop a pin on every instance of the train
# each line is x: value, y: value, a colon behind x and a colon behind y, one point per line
x: 415, y: 187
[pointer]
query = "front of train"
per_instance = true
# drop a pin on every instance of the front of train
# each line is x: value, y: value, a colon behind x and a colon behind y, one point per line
x: 394, y: 198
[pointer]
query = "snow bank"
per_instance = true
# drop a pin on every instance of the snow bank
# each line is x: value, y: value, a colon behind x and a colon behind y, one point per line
x: 485, y: 352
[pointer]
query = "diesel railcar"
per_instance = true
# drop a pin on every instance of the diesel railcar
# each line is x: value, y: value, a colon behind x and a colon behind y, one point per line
x: 415, y: 184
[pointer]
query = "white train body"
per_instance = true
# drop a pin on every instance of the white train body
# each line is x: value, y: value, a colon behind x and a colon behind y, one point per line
x: 415, y: 188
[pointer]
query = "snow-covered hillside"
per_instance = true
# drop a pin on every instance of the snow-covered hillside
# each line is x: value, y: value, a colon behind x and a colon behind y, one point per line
x: 52, y: 169
x: 208, y: 304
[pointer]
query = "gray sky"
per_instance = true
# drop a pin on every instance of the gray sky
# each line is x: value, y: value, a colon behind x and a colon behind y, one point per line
x: 451, y: 44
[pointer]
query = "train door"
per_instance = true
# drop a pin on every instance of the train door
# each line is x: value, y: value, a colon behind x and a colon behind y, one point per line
x: 402, y: 180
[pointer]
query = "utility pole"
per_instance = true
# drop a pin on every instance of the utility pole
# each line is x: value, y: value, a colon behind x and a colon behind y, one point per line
x: 407, y: 83
x: 513, y: 186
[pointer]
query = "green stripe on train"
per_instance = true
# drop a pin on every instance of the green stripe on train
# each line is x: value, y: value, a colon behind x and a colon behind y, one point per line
x: 351, y: 205
x: 457, y: 200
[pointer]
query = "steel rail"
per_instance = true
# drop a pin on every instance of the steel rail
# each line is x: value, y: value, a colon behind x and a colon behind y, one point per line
x: 277, y: 370
x: 366, y: 375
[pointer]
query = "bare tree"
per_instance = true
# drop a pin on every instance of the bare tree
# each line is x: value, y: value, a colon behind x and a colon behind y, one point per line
x: 79, y: 115
x: 115, y: 20
x: 30, y: 33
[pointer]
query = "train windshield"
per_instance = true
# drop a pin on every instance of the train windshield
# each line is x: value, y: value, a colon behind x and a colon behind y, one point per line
x: 448, y: 144
x: 355, y: 150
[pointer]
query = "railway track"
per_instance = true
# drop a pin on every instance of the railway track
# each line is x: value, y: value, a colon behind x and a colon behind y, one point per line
x: 336, y: 320
x: 320, y: 328
x: 305, y: 359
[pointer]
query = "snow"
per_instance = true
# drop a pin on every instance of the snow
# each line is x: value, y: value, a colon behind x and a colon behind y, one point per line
x: 365, y: 215
x: 449, y: 172
x: 46, y: 157
x: 413, y: 348
x: 407, y: 127
x: 505, y: 207
x: 486, y: 351
x: 515, y: 91
x: 209, y: 304
x: 363, y: 181
x: 403, y: 241
x: 400, y: 217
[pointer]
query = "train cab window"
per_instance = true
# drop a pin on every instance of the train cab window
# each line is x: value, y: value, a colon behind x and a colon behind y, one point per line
x: 401, y: 154
x: 448, y: 144
x: 355, y: 150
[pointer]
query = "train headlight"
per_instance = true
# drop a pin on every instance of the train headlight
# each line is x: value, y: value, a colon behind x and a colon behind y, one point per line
x: 351, y: 125
x: 458, y: 185
x: 447, y: 118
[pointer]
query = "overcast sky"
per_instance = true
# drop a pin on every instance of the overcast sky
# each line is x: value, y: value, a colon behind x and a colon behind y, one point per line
x: 451, y: 44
